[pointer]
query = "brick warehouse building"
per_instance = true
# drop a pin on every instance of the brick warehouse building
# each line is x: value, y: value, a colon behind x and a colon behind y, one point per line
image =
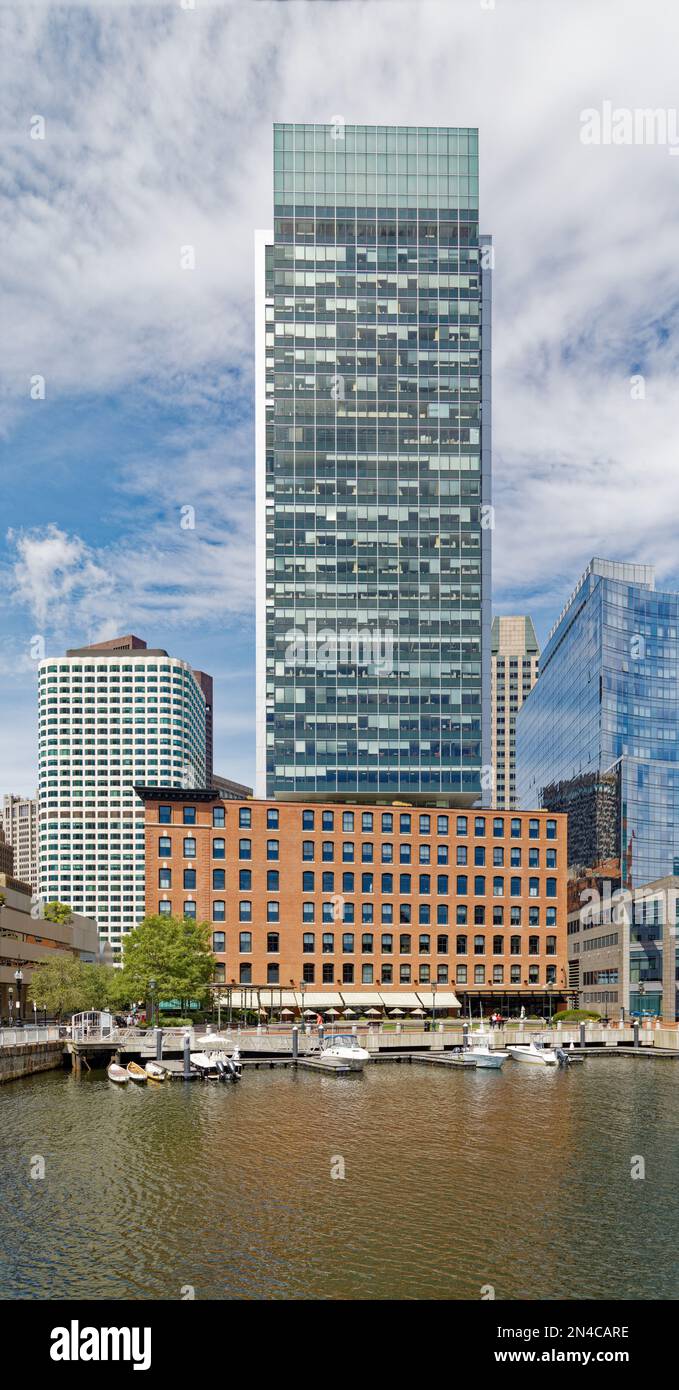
x: 367, y: 903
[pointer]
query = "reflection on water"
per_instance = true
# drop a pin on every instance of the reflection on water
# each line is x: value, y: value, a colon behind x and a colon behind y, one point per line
x: 453, y: 1180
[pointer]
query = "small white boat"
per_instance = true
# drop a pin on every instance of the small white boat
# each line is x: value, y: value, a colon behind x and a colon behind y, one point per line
x: 155, y: 1071
x: 536, y: 1052
x: 342, y: 1053
x: 214, y: 1062
x: 118, y: 1074
x: 204, y: 1063
x: 480, y: 1052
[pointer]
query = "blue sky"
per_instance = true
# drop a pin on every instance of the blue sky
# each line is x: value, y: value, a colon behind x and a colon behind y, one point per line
x: 157, y: 136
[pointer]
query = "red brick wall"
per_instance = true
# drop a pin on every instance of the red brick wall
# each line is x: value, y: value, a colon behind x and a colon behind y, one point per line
x: 290, y: 895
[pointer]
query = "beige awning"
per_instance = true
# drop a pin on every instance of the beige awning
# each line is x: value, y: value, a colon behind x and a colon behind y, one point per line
x: 362, y: 997
x: 321, y: 1000
x: 445, y: 999
x: 399, y: 1000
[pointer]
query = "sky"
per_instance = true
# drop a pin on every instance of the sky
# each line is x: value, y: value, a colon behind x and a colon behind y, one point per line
x: 126, y: 381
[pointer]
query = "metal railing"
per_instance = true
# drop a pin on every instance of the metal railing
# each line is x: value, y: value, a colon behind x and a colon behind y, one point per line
x: 10, y: 1037
x: 123, y: 1036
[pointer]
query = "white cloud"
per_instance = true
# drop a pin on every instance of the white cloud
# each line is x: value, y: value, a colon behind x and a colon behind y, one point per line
x: 158, y: 134
x: 54, y: 572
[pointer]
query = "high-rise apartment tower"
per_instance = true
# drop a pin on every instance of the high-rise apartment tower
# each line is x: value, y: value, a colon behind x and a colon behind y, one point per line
x: 110, y: 715
x: 515, y: 660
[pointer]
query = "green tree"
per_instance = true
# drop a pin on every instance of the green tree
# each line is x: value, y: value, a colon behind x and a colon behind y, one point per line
x: 57, y: 912
x: 67, y: 985
x: 57, y: 985
x: 102, y: 987
x: 173, y: 951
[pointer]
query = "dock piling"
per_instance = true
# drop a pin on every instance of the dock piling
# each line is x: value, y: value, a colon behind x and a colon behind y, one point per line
x: 187, y: 1057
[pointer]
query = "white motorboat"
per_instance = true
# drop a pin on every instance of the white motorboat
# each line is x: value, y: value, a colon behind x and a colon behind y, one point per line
x: 118, y: 1074
x: 342, y: 1052
x: 214, y: 1063
x: 536, y: 1052
x: 204, y: 1063
x: 480, y: 1052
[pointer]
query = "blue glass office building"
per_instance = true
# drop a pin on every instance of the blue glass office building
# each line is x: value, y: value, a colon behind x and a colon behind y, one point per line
x: 373, y: 467
x: 607, y: 701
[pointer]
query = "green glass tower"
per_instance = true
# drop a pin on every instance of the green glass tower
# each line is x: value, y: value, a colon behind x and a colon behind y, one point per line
x: 373, y: 467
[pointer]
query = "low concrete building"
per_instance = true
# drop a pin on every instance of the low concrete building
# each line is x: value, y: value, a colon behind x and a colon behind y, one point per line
x: 622, y: 947
x: 25, y: 941
x: 230, y: 791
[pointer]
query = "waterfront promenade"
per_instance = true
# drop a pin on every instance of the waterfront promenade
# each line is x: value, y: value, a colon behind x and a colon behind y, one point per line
x: 26, y: 1050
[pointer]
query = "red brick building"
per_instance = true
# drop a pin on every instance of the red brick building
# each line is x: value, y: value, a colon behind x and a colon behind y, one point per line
x: 352, y: 902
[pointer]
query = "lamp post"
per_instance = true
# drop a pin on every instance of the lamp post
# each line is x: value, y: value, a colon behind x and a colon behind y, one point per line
x: 302, y: 986
x: 433, y: 1008
x: 152, y: 990
x: 10, y: 1003
x: 19, y: 979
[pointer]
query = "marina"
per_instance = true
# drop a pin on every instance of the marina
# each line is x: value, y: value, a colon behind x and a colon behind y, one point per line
x: 230, y: 1189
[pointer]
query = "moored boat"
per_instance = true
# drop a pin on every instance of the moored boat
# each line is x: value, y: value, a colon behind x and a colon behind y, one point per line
x: 117, y: 1073
x: 214, y: 1062
x: 481, y: 1054
x: 135, y: 1072
x: 203, y: 1063
x: 342, y: 1052
x: 536, y: 1052
x: 155, y: 1071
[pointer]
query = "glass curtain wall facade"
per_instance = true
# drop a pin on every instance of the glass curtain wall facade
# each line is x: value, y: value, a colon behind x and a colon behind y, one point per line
x: 606, y: 699
x: 374, y: 467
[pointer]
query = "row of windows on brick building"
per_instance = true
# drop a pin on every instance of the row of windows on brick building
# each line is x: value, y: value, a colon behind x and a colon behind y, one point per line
x: 340, y: 911
x: 424, y: 944
x: 405, y: 975
x: 329, y: 853
x: 368, y: 819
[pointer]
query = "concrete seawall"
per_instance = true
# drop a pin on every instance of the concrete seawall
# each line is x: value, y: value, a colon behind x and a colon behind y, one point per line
x: 23, y: 1059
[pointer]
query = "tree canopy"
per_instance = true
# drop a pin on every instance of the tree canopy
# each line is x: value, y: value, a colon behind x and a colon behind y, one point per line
x: 57, y: 912
x: 175, y: 952
x: 67, y: 985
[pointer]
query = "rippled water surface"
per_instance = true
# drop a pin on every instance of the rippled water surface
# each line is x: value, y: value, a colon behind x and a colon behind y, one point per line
x: 453, y: 1180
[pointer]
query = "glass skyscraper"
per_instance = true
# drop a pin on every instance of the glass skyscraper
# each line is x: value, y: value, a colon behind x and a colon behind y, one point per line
x: 373, y: 467
x: 606, y: 702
